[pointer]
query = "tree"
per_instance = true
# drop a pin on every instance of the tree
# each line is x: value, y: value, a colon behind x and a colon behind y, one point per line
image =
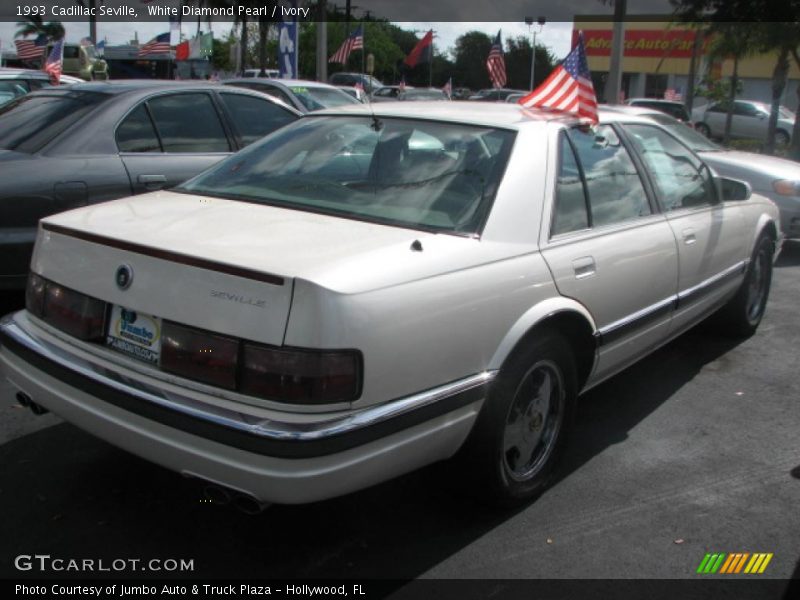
x: 518, y: 63
x: 54, y: 30
x: 471, y: 51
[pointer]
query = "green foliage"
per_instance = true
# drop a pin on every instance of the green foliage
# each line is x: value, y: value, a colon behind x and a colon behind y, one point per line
x: 35, y: 26
x: 716, y: 90
x: 471, y: 51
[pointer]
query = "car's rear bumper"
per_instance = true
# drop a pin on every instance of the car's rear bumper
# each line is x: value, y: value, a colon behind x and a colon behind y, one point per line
x: 284, y: 461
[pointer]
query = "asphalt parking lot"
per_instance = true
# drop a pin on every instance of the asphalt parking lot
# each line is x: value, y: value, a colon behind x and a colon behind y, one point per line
x: 696, y: 449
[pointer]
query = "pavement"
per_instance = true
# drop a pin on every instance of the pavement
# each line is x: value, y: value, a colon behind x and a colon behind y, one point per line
x: 693, y: 450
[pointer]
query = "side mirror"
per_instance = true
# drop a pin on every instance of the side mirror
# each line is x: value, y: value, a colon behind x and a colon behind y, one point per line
x: 733, y: 189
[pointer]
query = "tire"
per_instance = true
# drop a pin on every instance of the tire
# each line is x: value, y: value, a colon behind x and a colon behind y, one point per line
x: 741, y: 316
x: 782, y: 139
x: 703, y: 129
x: 522, y: 429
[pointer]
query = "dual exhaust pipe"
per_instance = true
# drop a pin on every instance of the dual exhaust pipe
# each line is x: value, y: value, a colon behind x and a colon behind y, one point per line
x: 24, y: 400
x: 250, y: 505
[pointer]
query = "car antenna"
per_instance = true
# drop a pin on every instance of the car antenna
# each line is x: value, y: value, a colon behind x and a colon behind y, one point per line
x: 377, y: 124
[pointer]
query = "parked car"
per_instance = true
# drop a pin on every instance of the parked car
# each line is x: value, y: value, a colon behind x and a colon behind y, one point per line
x: 18, y: 82
x: 462, y: 93
x: 244, y: 328
x: 515, y: 97
x: 83, y: 61
x: 750, y: 120
x: 423, y: 94
x: 494, y: 94
x: 302, y: 95
x: 388, y: 93
x: 355, y: 92
x: 85, y: 143
x: 775, y: 178
x: 670, y: 107
x: 368, y: 82
x: 268, y: 73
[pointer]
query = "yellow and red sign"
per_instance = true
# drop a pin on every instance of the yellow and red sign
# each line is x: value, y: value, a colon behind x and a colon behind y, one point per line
x: 641, y: 42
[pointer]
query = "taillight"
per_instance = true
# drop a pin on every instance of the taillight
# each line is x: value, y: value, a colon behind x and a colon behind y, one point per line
x: 300, y: 376
x: 72, y: 312
x: 34, y: 294
x: 199, y: 355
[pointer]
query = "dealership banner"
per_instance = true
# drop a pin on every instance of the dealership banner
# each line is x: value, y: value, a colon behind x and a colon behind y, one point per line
x: 287, y: 43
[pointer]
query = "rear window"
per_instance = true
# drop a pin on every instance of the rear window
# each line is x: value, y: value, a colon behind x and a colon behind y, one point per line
x: 30, y: 122
x: 416, y: 174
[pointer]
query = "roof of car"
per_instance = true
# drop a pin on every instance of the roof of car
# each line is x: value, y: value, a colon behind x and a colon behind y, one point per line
x: 498, y: 114
x: 657, y: 100
x: 123, y: 86
x: 284, y: 82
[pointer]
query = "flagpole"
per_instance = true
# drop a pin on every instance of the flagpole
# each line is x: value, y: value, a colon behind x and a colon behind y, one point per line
x: 363, y: 53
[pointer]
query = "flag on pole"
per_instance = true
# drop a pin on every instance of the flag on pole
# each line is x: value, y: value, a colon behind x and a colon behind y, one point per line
x: 158, y: 45
x: 54, y: 62
x: 568, y: 88
x: 101, y: 46
x: 354, y: 41
x: 182, y: 51
x: 27, y: 49
x: 448, y: 88
x: 496, y: 64
x: 421, y: 52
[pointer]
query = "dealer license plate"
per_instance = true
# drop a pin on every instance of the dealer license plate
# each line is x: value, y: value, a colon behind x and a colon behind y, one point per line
x: 135, y: 334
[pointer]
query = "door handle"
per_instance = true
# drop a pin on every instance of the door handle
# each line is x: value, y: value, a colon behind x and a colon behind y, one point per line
x: 689, y: 237
x: 583, y: 267
x: 152, y: 182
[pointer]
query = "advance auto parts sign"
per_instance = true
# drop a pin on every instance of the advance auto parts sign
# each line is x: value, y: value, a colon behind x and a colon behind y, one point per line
x: 641, y: 42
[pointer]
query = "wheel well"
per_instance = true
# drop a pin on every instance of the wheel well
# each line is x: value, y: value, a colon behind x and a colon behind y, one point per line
x: 578, y: 333
x: 771, y: 230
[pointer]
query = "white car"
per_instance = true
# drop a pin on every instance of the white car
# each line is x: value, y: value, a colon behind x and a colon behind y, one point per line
x: 775, y: 178
x: 750, y: 120
x: 373, y: 289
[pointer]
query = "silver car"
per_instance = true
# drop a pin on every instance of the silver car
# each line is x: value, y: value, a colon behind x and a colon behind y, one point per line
x: 373, y: 289
x: 750, y: 120
x: 776, y: 178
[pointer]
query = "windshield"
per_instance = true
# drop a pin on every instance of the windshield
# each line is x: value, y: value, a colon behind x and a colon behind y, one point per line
x: 30, y: 122
x: 316, y: 98
x: 689, y: 136
x: 424, y: 95
x: 416, y: 174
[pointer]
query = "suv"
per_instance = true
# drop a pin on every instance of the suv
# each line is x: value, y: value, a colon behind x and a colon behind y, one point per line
x: 368, y: 82
x: 83, y: 61
x: 18, y: 82
x: 669, y: 107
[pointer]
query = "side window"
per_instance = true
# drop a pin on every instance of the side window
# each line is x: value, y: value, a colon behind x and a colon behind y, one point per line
x: 71, y: 52
x: 254, y: 117
x: 136, y: 133
x: 188, y: 123
x: 570, y: 212
x: 743, y: 109
x: 613, y: 185
x: 681, y: 180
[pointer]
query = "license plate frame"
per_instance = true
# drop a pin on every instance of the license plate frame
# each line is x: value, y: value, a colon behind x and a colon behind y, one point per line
x: 135, y: 334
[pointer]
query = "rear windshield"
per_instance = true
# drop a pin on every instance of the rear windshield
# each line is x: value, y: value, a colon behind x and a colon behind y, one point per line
x: 416, y: 174
x: 30, y: 122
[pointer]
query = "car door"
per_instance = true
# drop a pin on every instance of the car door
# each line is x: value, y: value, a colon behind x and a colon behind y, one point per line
x: 252, y: 117
x: 169, y: 138
x: 608, y: 248
x: 748, y: 121
x: 714, y: 117
x: 709, y: 233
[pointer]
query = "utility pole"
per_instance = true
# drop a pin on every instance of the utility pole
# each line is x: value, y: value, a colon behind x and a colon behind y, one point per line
x: 614, y: 81
x: 322, y: 42
x: 529, y: 22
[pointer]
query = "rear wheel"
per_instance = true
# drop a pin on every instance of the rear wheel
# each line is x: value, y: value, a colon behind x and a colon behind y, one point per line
x: 522, y: 429
x: 703, y: 129
x: 782, y: 139
x: 743, y: 313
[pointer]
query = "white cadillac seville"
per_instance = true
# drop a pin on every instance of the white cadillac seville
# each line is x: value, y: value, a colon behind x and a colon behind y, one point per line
x: 364, y: 293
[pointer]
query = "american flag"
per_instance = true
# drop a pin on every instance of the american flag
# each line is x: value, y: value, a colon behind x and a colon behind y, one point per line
x: 354, y: 41
x: 496, y: 63
x: 53, y: 64
x: 568, y: 88
x: 158, y: 45
x: 27, y: 49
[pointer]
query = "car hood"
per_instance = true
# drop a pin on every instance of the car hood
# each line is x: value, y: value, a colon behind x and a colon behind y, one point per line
x: 757, y: 169
x: 340, y: 254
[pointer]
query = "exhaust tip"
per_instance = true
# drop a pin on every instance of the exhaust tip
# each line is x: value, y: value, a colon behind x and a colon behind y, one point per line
x: 23, y: 399
x: 38, y: 409
x: 217, y: 495
x: 249, y: 505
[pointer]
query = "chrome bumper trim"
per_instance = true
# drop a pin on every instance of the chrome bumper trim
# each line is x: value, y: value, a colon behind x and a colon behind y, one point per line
x: 238, y: 420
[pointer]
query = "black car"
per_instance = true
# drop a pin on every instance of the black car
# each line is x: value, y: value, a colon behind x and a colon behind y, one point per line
x: 494, y: 94
x: 65, y: 147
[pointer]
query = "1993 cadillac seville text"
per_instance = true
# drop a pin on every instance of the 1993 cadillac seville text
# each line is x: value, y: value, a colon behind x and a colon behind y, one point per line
x: 361, y: 294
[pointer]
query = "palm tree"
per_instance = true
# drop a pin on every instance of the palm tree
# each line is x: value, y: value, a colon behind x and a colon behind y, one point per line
x: 34, y: 25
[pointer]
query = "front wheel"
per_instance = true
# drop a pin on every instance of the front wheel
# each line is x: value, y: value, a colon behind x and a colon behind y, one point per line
x: 743, y: 313
x: 522, y: 429
x: 703, y: 129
